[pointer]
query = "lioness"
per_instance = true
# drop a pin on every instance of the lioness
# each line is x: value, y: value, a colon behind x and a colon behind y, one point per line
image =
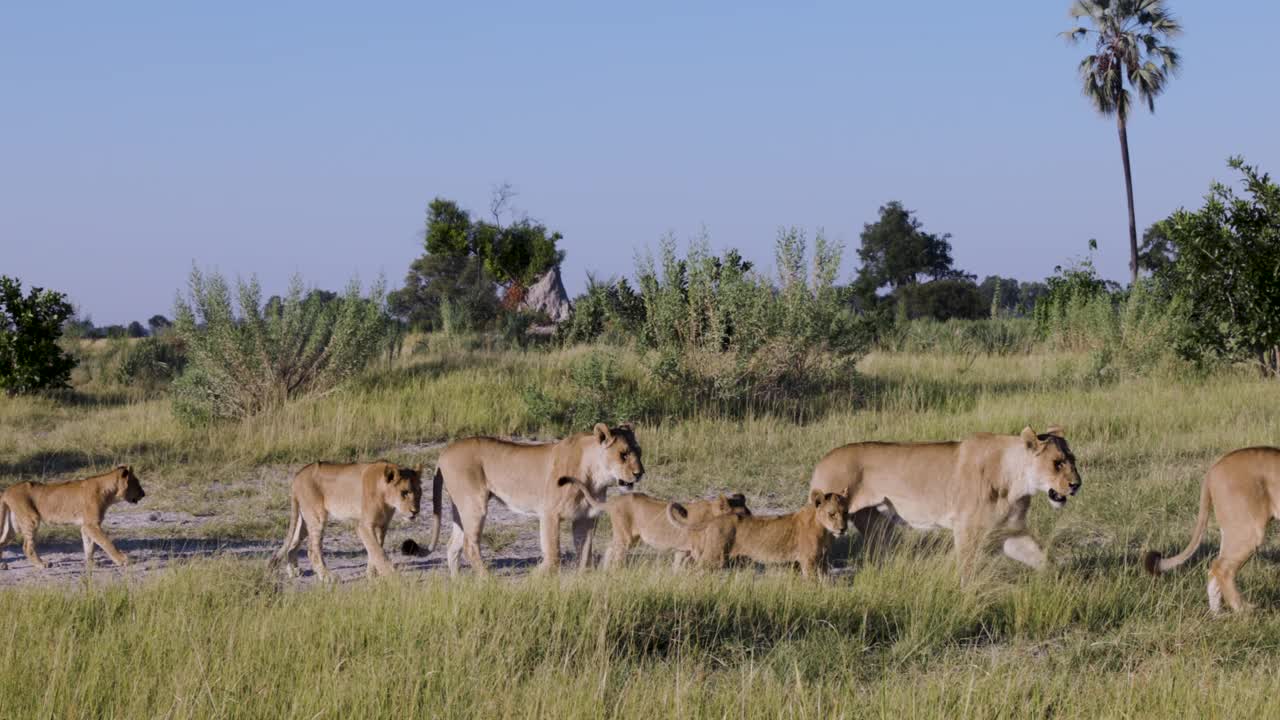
x: 800, y: 537
x: 972, y: 487
x: 82, y: 502
x: 1243, y: 489
x: 636, y: 517
x: 525, y: 477
x: 369, y: 493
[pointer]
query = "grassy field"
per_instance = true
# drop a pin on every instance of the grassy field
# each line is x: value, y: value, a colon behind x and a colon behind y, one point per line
x: 901, y: 635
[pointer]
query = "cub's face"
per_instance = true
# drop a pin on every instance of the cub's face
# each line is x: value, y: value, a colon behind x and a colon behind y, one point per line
x: 127, y: 485
x: 1051, y: 467
x: 832, y: 511
x: 619, y: 462
x: 404, y: 490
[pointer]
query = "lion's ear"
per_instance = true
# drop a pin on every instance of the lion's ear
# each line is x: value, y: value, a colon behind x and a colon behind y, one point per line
x: 125, y: 470
x: 815, y: 497
x: 603, y: 435
x: 628, y: 426
x: 390, y: 472
x: 1029, y: 437
x: 1055, y: 431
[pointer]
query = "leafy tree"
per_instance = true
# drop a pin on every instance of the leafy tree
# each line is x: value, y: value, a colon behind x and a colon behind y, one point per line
x: 942, y: 299
x: 896, y: 251
x: 1156, y: 254
x: 158, y: 323
x: 999, y: 293
x: 1131, y: 50
x: 1069, y: 288
x: 514, y: 255
x: 434, y: 281
x: 1227, y: 264
x: 30, y: 325
x: 135, y: 330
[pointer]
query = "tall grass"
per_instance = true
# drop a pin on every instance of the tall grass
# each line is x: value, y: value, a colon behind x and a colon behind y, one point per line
x: 901, y: 634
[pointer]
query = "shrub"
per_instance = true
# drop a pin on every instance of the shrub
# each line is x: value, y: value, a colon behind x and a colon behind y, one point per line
x: 611, y: 311
x: 30, y: 357
x: 723, y: 333
x: 599, y: 392
x: 151, y: 362
x: 256, y: 360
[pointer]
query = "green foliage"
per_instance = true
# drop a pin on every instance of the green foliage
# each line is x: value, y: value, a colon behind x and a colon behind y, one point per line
x: 610, y: 310
x: 1003, y: 336
x: 1156, y: 254
x: 1228, y: 266
x: 30, y: 325
x: 942, y: 299
x: 723, y: 333
x: 515, y: 254
x: 599, y: 391
x: 246, y: 362
x: 151, y: 362
x: 1074, y: 301
x: 444, y: 289
x: 1131, y: 50
x: 896, y: 251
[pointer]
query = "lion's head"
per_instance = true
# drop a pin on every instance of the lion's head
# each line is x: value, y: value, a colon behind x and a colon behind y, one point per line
x: 1051, y: 465
x: 832, y: 510
x: 619, y: 456
x: 127, y: 484
x: 403, y: 489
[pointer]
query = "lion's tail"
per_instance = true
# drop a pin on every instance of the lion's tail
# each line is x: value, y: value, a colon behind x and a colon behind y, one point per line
x: 1155, y: 564
x: 291, y: 538
x: 586, y: 491
x: 437, y: 488
x: 678, y: 515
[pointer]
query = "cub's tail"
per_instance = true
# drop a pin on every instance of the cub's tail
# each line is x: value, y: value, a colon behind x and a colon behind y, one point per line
x: 1155, y: 564
x: 410, y: 547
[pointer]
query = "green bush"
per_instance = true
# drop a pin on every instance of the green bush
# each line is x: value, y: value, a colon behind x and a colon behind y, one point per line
x: 1005, y: 336
x: 30, y: 357
x: 722, y: 333
x: 151, y: 362
x: 246, y: 362
x: 610, y: 311
x: 599, y: 392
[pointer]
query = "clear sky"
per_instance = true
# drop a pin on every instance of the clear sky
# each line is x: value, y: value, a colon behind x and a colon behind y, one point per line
x: 278, y: 137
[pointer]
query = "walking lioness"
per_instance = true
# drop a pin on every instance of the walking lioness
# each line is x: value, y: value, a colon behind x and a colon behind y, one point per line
x: 369, y: 493
x: 525, y: 477
x: 972, y: 487
x: 1243, y: 490
x: 80, y: 502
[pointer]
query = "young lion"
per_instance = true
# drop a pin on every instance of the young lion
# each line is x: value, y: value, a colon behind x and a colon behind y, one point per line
x: 369, y: 493
x: 801, y: 537
x: 82, y: 502
x: 636, y: 517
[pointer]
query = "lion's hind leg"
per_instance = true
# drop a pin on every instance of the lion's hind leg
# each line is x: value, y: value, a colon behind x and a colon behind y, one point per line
x: 1238, y: 545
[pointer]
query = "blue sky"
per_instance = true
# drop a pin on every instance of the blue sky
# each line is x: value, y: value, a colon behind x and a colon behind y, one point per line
x: 274, y: 138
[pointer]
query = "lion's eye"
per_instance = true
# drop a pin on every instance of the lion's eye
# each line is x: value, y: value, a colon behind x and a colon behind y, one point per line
x: 1057, y: 464
x: 624, y: 456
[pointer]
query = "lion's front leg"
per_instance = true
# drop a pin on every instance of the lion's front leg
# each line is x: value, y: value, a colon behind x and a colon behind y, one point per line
x: 378, y: 562
x: 549, y: 529
x: 1025, y: 550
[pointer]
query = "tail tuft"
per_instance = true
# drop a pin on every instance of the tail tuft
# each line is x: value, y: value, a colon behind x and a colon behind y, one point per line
x: 410, y: 548
x: 1151, y: 562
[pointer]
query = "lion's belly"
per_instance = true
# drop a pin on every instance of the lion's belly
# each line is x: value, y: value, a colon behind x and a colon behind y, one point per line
x: 516, y: 504
x: 920, y: 516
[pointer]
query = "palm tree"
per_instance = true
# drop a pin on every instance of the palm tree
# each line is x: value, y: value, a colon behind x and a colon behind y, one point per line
x: 1131, y: 44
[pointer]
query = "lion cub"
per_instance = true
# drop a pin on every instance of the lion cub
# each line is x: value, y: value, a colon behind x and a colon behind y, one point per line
x: 801, y: 537
x: 636, y: 517
x: 369, y: 493
x: 80, y: 502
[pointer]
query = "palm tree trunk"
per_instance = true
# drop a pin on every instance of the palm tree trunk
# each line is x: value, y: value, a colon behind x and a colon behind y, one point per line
x: 1128, y: 187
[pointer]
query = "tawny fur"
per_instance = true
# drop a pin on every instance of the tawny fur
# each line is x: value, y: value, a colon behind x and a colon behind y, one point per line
x: 525, y: 477
x: 79, y: 502
x: 369, y: 493
x: 1243, y: 491
x: 802, y: 537
x: 636, y: 518
x: 976, y: 487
